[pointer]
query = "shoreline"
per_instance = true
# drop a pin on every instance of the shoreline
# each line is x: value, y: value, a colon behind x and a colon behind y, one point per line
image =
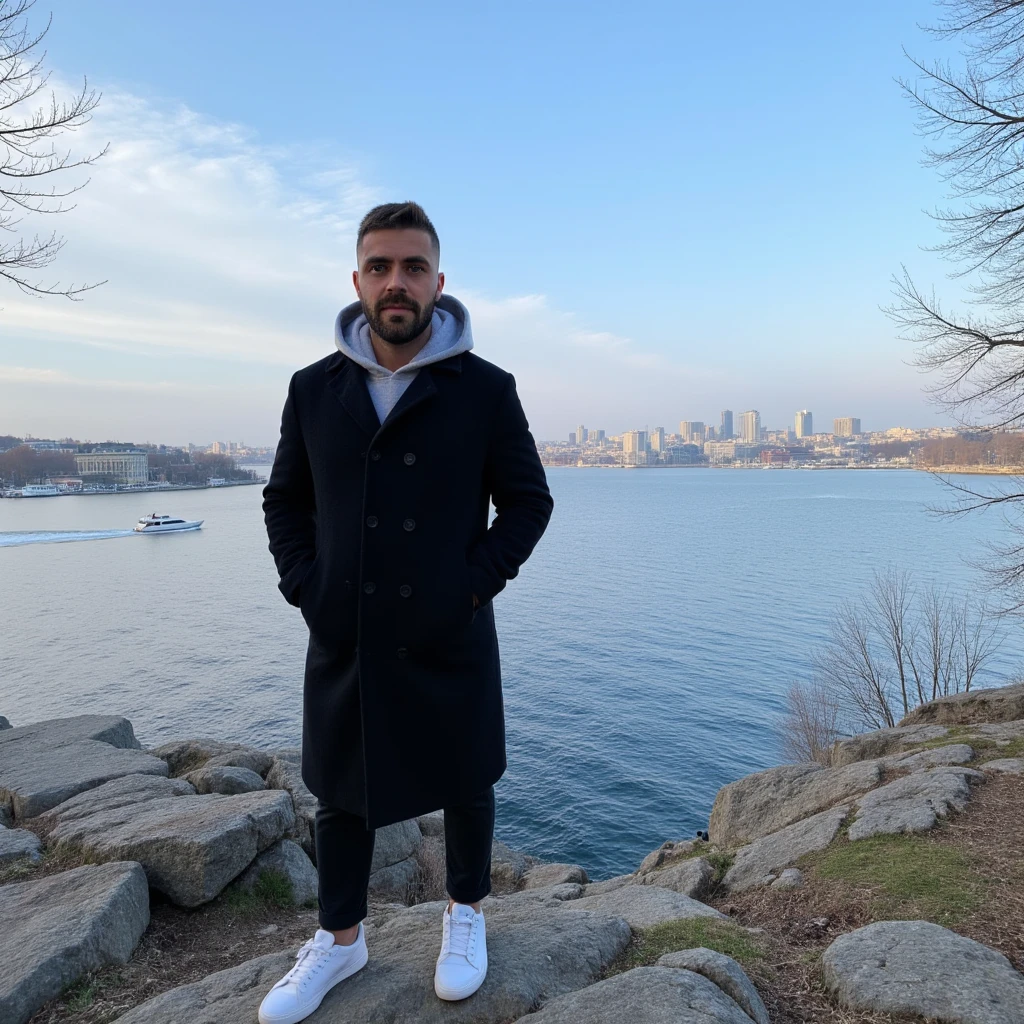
x: 140, y: 490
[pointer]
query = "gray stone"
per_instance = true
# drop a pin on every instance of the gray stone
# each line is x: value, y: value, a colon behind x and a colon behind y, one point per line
x: 187, y: 755
x: 550, y: 895
x: 258, y: 761
x: 43, y: 764
x: 993, y: 704
x: 190, y: 846
x: 916, y: 967
x: 395, y: 843
x: 17, y: 843
x: 432, y: 825
x: 4, y: 724
x: 644, y: 906
x: 1009, y: 765
x: 691, y: 876
x: 755, y: 864
x: 791, y: 878
x: 608, y: 885
x: 533, y: 953
x: 760, y: 804
x: 6, y: 817
x: 644, y: 995
x: 395, y: 879
x: 225, y: 780
x: 670, y: 850
x: 914, y: 803
x: 287, y: 775
x: 508, y: 866
x: 55, y: 929
x: 1001, y: 732
x: 951, y: 753
x: 868, y: 745
x: 726, y: 973
x: 288, y: 859
x: 540, y: 876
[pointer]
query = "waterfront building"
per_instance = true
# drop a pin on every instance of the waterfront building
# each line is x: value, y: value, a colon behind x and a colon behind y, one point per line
x: 804, y: 424
x: 846, y: 426
x: 692, y: 431
x: 658, y: 439
x: 719, y: 452
x: 726, y: 434
x: 129, y: 466
x: 634, y: 448
x: 709, y: 432
x: 750, y: 426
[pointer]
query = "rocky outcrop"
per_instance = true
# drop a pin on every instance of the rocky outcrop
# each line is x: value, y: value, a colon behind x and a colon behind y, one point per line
x: 288, y: 860
x: 726, y: 973
x: 691, y: 876
x: 287, y: 775
x: 542, y: 875
x: 534, y: 955
x: 757, y: 863
x: 998, y: 704
x: 190, y: 846
x: 1008, y: 765
x: 43, y: 764
x: 19, y: 844
x: 914, y: 803
x: 915, y: 967
x: 790, y: 878
x: 226, y: 780
x: 768, y: 801
x: 184, y: 756
x: 55, y: 929
x: 644, y: 906
x: 933, y: 757
x: 870, y: 745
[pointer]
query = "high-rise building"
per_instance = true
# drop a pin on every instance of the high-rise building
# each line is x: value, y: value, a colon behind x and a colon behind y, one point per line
x: 750, y: 426
x: 692, y: 431
x: 846, y: 426
x: 572, y: 437
x: 595, y: 435
x: 581, y: 434
x: 658, y: 439
x: 634, y: 447
x: 725, y: 433
x: 804, y: 423
x: 709, y: 432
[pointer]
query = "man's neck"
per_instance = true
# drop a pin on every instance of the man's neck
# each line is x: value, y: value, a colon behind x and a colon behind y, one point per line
x: 394, y: 357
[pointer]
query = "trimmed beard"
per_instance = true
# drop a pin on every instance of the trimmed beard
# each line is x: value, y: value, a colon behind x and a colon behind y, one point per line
x: 398, y: 334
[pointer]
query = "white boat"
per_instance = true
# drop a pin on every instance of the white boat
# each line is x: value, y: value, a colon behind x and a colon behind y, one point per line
x: 165, y: 524
x: 39, y: 490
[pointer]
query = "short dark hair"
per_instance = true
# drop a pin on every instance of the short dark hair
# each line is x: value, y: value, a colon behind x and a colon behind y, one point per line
x: 395, y: 217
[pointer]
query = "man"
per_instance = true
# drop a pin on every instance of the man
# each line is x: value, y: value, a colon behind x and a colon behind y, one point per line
x: 377, y: 509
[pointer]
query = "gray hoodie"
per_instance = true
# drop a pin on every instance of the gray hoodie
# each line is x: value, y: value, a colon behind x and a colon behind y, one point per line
x: 450, y: 334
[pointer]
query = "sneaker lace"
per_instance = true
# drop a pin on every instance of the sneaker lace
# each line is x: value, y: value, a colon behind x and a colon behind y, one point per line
x: 309, y: 960
x: 459, y: 935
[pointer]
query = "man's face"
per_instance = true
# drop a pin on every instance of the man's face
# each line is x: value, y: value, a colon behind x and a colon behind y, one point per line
x: 397, y: 283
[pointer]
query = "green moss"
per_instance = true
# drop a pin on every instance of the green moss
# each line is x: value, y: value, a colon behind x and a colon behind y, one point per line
x: 272, y: 889
x: 81, y: 994
x: 910, y: 876
x: 712, y: 933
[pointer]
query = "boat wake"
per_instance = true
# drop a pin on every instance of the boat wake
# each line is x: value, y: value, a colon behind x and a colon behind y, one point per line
x: 19, y: 537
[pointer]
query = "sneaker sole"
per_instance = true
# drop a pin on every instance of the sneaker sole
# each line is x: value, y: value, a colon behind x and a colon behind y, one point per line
x: 294, y: 1018
x: 453, y: 995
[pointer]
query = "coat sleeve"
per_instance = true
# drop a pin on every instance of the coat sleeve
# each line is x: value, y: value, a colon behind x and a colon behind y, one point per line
x: 522, y: 502
x: 289, y: 505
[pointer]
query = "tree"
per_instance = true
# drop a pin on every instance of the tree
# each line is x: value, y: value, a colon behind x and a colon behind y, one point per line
x: 33, y: 170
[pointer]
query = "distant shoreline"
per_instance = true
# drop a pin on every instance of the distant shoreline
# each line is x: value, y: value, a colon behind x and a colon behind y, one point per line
x: 943, y: 470
x: 148, y: 489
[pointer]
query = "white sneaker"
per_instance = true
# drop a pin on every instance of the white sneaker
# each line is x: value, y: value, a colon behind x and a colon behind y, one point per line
x: 320, y: 965
x: 462, y: 964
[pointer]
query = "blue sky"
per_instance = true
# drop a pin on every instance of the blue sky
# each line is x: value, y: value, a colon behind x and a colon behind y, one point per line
x: 653, y: 211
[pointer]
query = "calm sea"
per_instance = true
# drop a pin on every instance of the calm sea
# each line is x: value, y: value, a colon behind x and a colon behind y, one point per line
x: 647, y: 645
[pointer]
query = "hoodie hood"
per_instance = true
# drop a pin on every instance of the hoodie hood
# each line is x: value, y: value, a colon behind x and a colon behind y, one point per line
x: 450, y: 334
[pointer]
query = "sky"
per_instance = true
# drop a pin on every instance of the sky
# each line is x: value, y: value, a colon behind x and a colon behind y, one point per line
x: 653, y: 211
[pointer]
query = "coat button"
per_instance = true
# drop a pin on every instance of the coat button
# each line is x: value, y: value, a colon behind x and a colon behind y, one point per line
x: 369, y: 588
x: 409, y: 524
x: 405, y: 590
x: 375, y: 455
x: 371, y: 521
x: 402, y: 652
x: 409, y: 458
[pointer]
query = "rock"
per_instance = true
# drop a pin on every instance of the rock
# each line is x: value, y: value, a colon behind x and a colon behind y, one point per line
x: 608, y: 885
x: 916, y: 967
x: 541, y: 876
x: 55, y: 929
x: 258, y: 761
x: 6, y: 817
x: 432, y: 825
x: 43, y: 764
x: 225, y: 780
x: 395, y: 843
x: 287, y: 775
x: 4, y: 724
x: 1009, y: 765
x: 692, y: 877
x: 913, y: 803
x: 644, y: 906
x: 534, y: 955
x: 755, y: 863
x: 288, y: 859
x: 952, y: 753
x: 1001, y: 732
x: 644, y: 995
x: 667, y: 851
x: 996, y: 704
x: 760, y: 804
x: 791, y: 878
x: 187, y: 755
x: 395, y: 879
x: 550, y: 895
x: 869, y: 745
x: 190, y: 846
x: 725, y: 973
x: 507, y: 865
x: 16, y: 843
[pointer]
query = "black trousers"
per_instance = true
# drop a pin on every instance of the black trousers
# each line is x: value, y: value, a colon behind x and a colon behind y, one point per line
x: 344, y: 853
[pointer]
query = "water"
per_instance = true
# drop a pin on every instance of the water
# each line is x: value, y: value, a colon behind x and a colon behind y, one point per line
x: 647, y: 646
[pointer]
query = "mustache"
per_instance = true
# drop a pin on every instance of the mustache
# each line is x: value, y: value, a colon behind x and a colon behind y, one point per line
x: 397, y: 303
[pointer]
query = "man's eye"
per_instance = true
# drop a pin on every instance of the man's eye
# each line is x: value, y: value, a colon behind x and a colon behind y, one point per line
x: 378, y: 266
x: 415, y: 270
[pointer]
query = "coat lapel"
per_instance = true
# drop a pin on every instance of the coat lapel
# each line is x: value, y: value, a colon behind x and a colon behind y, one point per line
x: 346, y: 380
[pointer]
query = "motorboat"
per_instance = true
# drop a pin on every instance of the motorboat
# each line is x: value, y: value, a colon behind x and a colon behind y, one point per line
x: 165, y: 524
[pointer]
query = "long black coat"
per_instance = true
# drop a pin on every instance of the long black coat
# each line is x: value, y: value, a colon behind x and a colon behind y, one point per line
x: 380, y: 535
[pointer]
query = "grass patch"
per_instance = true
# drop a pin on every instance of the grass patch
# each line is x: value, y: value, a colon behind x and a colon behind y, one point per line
x: 81, y: 995
x: 909, y: 876
x: 272, y: 889
x: 1015, y: 748
x: 723, y: 936
x: 720, y: 862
